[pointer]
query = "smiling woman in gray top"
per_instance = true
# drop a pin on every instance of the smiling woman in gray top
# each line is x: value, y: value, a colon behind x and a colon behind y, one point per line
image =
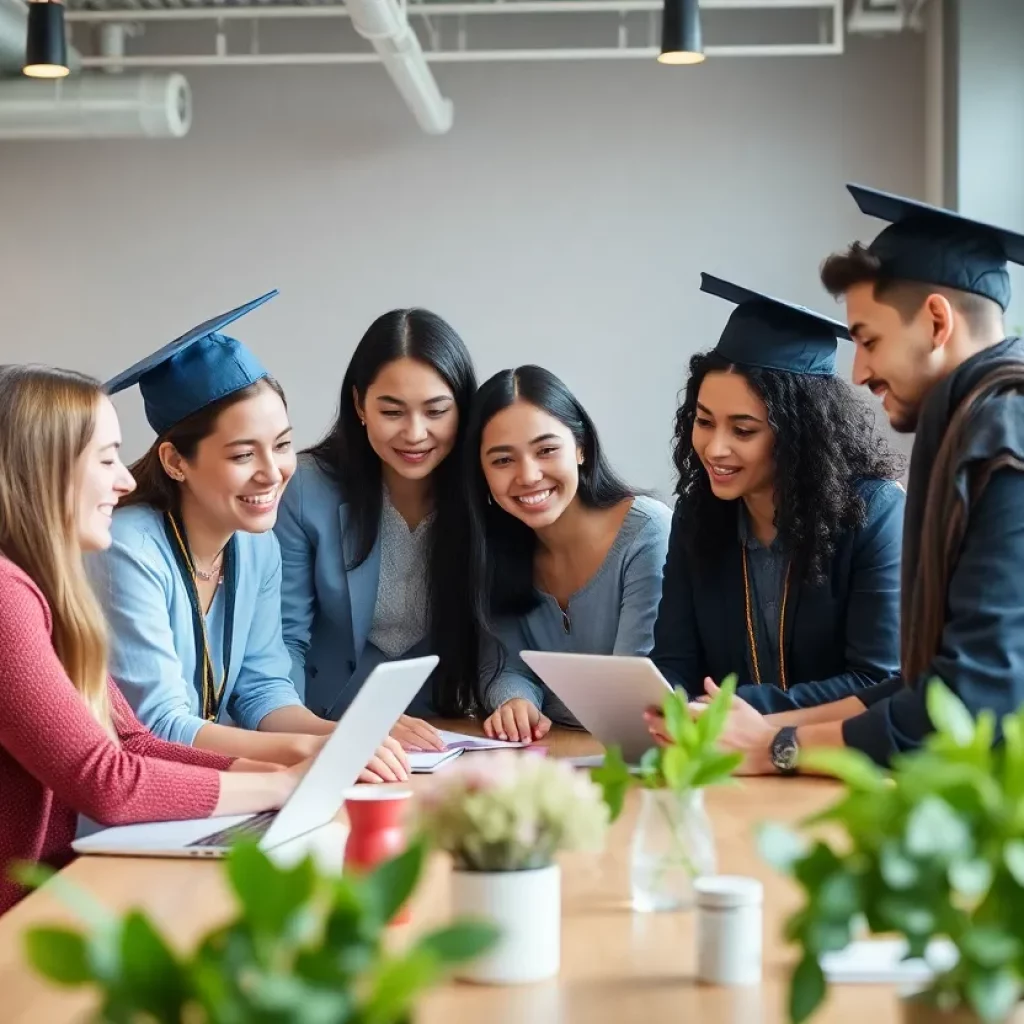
x: 566, y: 557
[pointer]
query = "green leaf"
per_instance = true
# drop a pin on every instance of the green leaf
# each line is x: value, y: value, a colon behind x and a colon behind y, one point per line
x: 269, y: 895
x: 612, y: 775
x: 674, y: 712
x: 396, y: 984
x: 1013, y: 857
x: 60, y: 955
x: 838, y: 897
x: 714, y: 767
x: 806, y: 989
x: 898, y: 871
x: 935, y: 830
x: 948, y: 714
x: 993, y: 994
x: 989, y: 946
x: 853, y: 767
x: 89, y: 909
x: 712, y: 720
x: 391, y: 884
x: 151, y: 972
x: 970, y: 878
x: 464, y: 940
x: 780, y: 846
x: 650, y: 768
x: 675, y: 765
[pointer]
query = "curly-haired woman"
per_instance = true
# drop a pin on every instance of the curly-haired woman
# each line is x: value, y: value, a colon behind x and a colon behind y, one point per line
x: 784, y: 561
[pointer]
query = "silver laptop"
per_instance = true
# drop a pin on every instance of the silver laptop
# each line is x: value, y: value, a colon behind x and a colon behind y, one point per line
x: 608, y: 694
x: 317, y: 798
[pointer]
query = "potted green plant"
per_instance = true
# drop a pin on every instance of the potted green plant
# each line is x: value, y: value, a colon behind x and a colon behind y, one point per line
x: 673, y: 842
x: 934, y: 851
x: 303, y: 948
x: 503, y: 817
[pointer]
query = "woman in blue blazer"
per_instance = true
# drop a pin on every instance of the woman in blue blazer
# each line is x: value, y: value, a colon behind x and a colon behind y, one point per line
x: 784, y: 560
x: 191, y: 584
x: 374, y: 528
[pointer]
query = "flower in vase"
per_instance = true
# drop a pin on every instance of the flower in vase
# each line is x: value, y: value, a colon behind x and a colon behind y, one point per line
x: 510, y: 811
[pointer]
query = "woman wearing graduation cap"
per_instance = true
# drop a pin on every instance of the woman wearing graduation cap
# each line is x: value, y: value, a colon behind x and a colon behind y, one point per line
x: 191, y: 585
x: 783, y: 566
x: 69, y: 743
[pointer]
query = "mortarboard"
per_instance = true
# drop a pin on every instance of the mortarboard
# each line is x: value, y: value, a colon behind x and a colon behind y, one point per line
x: 935, y: 246
x: 192, y: 371
x: 773, y: 334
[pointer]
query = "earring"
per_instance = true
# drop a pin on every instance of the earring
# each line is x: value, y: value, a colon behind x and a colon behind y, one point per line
x: 490, y: 498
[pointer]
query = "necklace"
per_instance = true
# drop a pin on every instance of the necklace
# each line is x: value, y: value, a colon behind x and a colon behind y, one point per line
x: 216, y: 570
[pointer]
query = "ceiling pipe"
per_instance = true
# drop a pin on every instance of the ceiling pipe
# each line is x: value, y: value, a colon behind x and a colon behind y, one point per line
x: 384, y: 24
x: 96, y: 107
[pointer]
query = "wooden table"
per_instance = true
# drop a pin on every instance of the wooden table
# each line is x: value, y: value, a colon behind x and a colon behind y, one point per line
x: 618, y: 967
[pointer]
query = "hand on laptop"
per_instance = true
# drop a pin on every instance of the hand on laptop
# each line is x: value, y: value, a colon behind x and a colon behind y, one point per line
x: 655, y: 719
x: 517, y: 720
x: 389, y: 764
x: 415, y: 734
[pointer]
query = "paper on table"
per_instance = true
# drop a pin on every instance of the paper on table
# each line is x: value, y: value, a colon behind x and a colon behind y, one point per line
x: 427, y: 761
x: 465, y: 742
x: 879, y: 961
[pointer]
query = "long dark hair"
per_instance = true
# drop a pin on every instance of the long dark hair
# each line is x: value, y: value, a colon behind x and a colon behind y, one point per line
x: 825, y: 442
x: 153, y: 486
x: 346, y: 456
x: 503, y: 547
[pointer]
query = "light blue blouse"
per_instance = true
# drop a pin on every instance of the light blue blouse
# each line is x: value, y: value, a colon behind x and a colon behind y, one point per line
x: 613, y: 613
x: 152, y: 641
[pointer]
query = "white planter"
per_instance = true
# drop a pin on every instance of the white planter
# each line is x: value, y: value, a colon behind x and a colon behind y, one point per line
x: 527, y: 908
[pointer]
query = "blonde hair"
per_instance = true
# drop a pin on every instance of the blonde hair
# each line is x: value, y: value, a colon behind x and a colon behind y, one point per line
x: 47, y: 418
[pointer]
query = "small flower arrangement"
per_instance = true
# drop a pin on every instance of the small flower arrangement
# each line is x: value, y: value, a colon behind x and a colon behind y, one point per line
x: 506, y: 811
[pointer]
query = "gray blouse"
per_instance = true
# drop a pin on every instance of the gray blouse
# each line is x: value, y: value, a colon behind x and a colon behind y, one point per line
x: 400, y: 613
x: 613, y: 613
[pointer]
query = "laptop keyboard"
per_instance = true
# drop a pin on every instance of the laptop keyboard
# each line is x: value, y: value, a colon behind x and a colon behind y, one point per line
x: 251, y: 828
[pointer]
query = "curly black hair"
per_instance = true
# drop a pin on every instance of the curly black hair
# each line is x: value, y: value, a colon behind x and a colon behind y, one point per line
x: 825, y: 443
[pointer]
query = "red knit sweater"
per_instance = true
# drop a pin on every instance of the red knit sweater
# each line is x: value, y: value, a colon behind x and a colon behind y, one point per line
x: 57, y: 761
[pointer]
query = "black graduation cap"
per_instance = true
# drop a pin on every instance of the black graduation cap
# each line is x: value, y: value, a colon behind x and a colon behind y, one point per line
x: 773, y: 334
x: 935, y: 246
x: 193, y: 371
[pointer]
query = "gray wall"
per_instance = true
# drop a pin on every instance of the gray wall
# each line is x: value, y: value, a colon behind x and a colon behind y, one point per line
x: 989, y: 136
x: 564, y: 220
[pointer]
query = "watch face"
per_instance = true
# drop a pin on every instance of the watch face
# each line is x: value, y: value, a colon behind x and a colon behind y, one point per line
x: 784, y: 753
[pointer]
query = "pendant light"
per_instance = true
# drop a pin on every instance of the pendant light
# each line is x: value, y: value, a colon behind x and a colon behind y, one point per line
x: 681, y: 41
x: 46, y: 48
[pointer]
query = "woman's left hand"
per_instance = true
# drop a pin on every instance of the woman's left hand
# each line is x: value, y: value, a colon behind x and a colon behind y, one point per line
x: 416, y: 734
x: 745, y: 732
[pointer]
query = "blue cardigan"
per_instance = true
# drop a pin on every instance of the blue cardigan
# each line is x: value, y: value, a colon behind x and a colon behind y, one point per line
x: 841, y: 636
x: 152, y: 641
x: 326, y: 610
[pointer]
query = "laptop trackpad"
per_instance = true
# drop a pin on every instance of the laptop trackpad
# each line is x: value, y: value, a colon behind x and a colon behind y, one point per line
x: 162, y: 835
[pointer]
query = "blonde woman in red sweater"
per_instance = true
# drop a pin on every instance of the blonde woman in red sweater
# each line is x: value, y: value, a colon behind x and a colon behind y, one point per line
x: 69, y: 742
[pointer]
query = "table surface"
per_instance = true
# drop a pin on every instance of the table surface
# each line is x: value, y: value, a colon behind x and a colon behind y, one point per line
x: 617, y: 965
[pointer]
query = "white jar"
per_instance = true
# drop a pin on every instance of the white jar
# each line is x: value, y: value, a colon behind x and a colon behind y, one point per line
x: 526, y: 906
x: 729, y: 929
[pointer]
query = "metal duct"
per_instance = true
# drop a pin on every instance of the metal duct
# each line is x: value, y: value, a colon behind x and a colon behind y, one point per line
x: 384, y: 24
x: 96, y: 107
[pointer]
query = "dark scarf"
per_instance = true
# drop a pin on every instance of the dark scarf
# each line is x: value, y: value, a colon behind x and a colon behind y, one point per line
x: 970, y: 426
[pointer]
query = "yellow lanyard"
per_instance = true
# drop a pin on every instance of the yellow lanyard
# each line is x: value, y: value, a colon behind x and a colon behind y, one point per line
x: 211, y: 695
x: 750, y: 624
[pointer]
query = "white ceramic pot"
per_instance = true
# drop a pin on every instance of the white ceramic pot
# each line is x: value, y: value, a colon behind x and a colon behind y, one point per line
x: 526, y: 906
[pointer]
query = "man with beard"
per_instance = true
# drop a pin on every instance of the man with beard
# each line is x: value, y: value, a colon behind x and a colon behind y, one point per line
x: 925, y: 303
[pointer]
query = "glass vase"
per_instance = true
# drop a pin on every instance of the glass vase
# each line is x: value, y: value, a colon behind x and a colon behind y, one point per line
x: 673, y: 844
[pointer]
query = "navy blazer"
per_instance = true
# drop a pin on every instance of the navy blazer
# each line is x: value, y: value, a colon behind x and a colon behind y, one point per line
x: 840, y: 636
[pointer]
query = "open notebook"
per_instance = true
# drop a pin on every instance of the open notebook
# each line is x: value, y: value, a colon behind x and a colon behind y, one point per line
x: 457, y: 743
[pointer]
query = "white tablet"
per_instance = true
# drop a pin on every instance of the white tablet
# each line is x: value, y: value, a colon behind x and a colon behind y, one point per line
x: 607, y: 694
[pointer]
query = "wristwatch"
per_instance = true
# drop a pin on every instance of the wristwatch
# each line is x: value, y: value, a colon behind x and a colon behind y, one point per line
x: 785, y: 750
